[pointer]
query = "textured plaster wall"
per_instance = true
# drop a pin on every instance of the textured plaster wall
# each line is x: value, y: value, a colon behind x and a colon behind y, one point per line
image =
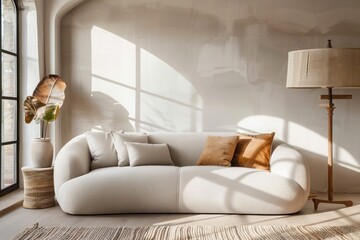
x: 209, y: 66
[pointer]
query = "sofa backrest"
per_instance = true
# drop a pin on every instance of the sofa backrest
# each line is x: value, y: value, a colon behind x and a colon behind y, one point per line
x: 185, y: 147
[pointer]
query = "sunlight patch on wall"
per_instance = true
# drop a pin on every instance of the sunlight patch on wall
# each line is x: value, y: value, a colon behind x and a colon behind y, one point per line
x: 263, y: 124
x: 307, y: 139
x: 346, y: 159
x: 155, y: 96
x: 167, y: 97
x: 287, y: 131
x: 113, y: 57
x: 113, y: 78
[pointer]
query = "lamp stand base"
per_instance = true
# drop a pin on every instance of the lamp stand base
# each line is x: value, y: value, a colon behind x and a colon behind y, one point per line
x: 317, y: 201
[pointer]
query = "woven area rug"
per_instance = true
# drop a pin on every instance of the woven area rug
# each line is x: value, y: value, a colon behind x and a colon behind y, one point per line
x: 191, y: 232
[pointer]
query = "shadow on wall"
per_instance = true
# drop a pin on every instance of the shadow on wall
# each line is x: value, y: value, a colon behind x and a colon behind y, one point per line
x: 107, y: 112
x: 101, y: 109
x: 344, y: 174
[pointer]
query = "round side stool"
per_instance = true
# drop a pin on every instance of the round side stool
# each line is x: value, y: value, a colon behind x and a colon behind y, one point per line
x: 38, y: 187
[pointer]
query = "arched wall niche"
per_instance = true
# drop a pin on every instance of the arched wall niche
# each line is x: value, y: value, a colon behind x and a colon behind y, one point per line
x: 49, y: 19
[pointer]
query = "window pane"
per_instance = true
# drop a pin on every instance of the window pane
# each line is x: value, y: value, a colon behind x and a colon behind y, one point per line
x: 8, y: 24
x: 9, y: 72
x: 8, y: 117
x: 8, y: 165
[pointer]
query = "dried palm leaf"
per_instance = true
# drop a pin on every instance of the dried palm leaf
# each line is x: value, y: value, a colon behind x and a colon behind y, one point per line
x: 31, y: 105
x: 50, y: 90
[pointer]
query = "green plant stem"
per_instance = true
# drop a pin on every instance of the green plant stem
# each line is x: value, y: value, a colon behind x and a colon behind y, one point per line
x: 41, y: 129
x: 45, y: 129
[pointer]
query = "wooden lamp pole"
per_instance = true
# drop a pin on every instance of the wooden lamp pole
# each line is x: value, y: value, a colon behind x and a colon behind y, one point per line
x: 330, y: 109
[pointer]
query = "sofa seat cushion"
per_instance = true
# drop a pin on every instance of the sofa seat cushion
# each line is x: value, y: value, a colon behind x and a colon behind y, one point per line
x: 145, y: 189
x: 215, y: 189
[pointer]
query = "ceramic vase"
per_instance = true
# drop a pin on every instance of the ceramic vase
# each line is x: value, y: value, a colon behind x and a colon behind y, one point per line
x: 41, y: 153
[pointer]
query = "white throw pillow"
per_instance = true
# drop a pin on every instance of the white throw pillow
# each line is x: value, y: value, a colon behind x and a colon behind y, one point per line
x: 119, y: 139
x: 148, y: 154
x: 102, y: 149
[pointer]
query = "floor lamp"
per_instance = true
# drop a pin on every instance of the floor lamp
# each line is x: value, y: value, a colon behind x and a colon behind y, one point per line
x: 325, y: 68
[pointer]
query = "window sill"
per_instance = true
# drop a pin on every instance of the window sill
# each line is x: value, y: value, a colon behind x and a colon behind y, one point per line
x: 11, y: 201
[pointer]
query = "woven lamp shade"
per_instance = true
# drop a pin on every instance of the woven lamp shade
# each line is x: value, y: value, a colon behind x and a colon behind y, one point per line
x: 324, y: 68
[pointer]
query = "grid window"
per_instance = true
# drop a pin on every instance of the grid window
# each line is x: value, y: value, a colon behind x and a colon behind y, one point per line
x: 9, y: 165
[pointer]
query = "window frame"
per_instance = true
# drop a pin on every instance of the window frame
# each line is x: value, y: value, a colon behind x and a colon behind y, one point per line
x: 15, y: 142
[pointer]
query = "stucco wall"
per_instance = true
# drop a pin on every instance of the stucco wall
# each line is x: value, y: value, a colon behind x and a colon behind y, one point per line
x: 209, y: 66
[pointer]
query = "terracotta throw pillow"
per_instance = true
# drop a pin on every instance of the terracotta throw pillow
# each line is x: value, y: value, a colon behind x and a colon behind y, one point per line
x: 218, y: 151
x: 253, y: 151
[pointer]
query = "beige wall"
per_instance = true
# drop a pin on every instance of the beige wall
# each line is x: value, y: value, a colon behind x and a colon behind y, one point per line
x: 209, y: 66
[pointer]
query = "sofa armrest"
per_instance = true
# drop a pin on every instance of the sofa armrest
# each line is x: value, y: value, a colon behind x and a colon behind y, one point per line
x: 288, y: 162
x: 72, y: 161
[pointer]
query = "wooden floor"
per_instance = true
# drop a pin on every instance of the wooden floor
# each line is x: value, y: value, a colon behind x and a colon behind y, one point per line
x: 18, y: 219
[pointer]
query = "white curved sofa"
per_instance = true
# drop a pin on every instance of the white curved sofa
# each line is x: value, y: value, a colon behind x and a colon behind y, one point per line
x: 183, y: 188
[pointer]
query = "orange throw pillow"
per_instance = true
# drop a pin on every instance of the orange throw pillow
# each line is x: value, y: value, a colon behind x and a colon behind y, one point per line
x: 253, y: 151
x: 218, y: 151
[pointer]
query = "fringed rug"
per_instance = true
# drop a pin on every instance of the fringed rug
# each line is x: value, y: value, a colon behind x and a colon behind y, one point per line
x: 191, y: 232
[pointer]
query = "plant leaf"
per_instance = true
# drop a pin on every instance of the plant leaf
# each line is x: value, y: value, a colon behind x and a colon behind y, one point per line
x: 31, y: 105
x: 51, y: 112
x: 50, y: 90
